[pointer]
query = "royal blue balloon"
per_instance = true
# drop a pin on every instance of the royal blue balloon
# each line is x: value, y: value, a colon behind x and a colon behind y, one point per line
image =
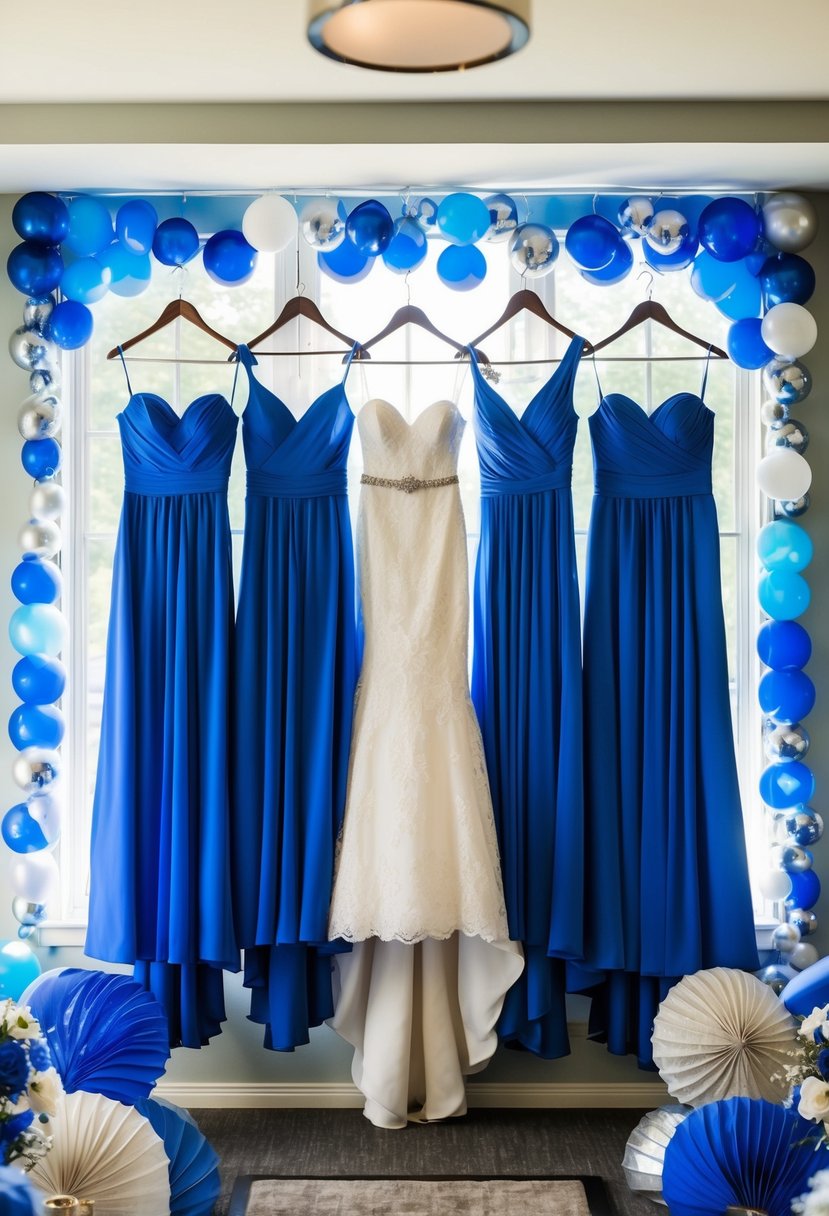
x: 41, y: 217
x: 461, y: 267
x: 175, y: 242
x: 745, y: 344
x: 408, y: 247
x: 129, y: 272
x: 729, y: 229
x: 786, y: 696
x: 37, y: 582
x: 193, y: 1164
x: 70, y: 325
x: 711, y: 279
x: 744, y: 299
x: 228, y: 258
x: 370, y: 228
x: 90, y: 226
x: 36, y: 726
x: 38, y: 679
x: 784, y: 645
x: 345, y: 263
x: 618, y: 268
x: 41, y: 458
x: 85, y: 280
x: 783, y: 595
x: 592, y: 241
x: 463, y: 218
x: 34, y: 269
x: 678, y: 260
x: 21, y: 833
x: 805, y: 890
x: 784, y: 545
x: 785, y: 785
x: 786, y: 279
x: 135, y: 225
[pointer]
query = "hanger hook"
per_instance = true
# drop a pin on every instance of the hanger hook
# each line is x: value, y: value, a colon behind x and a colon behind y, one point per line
x: 527, y: 208
x: 650, y: 281
x: 299, y: 286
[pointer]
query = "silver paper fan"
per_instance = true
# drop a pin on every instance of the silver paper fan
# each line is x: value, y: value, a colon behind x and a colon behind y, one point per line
x: 645, y: 1150
x: 722, y: 1034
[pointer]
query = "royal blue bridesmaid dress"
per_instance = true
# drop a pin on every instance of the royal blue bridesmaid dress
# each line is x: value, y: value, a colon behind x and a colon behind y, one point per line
x: 160, y: 870
x: 667, y: 889
x: 526, y: 687
x: 296, y: 671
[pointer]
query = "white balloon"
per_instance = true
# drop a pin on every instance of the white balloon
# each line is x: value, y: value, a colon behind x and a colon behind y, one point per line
x: 784, y: 474
x: 803, y: 956
x: 774, y: 884
x: 270, y: 223
x: 39, y: 537
x: 789, y: 222
x: 47, y: 500
x: 789, y: 329
x: 35, y: 876
x: 45, y: 809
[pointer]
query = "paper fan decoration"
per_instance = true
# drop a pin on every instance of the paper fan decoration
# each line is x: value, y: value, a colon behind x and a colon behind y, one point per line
x: 645, y: 1150
x: 742, y: 1153
x: 193, y: 1165
x: 722, y: 1033
x: 106, y: 1034
x: 809, y: 989
x: 108, y: 1152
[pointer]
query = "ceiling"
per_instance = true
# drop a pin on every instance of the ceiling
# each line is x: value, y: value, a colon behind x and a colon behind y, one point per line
x: 255, y: 50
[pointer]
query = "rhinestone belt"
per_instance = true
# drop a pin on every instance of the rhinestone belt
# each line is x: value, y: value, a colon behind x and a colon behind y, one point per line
x: 409, y: 484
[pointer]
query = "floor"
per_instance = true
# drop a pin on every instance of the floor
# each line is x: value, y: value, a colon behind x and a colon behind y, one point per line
x: 486, y: 1141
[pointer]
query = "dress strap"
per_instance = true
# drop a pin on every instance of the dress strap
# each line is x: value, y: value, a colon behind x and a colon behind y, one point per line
x: 349, y: 360
x: 598, y: 381
x: 124, y: 365
x: 705, y: 374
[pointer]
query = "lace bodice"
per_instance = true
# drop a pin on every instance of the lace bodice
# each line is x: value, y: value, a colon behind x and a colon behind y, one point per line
x: 426, y: 448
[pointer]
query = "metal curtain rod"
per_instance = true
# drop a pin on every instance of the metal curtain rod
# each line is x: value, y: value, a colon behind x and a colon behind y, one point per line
x: 402, y: 191
x: 430, y: 362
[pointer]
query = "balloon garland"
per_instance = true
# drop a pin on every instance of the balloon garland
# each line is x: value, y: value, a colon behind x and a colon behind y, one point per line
x: 744, y: 259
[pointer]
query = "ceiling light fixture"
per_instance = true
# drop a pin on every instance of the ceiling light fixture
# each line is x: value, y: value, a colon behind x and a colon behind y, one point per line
x: 418, y: 35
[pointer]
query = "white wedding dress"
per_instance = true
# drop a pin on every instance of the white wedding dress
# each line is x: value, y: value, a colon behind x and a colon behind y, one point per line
x: 418, y: 884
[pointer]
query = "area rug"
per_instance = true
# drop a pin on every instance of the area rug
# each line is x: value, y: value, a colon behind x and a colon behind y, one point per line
x: 420, y: 1196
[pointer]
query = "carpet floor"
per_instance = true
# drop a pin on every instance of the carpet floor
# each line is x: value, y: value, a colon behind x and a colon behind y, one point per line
x: 521, y: 1142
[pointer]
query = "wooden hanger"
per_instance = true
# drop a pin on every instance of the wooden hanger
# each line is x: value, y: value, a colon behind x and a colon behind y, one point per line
x: 175, y: 309
x: 650, y: 310
x: 528, y: 301
x: 300, y: 306
x: 410, y: 314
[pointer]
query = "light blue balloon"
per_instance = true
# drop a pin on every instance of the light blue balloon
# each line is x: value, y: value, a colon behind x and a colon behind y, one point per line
x: 783, y: 595
x: 784, y: 545
x: 135, y: 225
x: 744, y: 299
x: 37, y: 629
x: 463, y: 218
x: 18, y: 968
x: 130, y: 272
x: 712, y: 279
x: 90, y: 226
x: 85, y: 281
x: 408, y: 247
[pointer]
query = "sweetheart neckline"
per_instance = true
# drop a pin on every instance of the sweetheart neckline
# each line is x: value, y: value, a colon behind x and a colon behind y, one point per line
x: 410, y: 426
x: 650, y: 416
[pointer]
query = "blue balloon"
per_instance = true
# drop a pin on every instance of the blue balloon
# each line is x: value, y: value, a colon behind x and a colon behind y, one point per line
x: 41, y: 458
x: 85, y: 280
x: 135, y: 225
x: 37, y: 582
x: 784, y: 545
x: 69, y: 325
x: 38, y: 629
x: 744, y: 298
x: 786, y: 785
x: 408, y: 247
x: 41, y: 217
x: 345, y: 263
x: 463, y: 218
x: 129, y: 272
x: 18, y: 1196
x: 194, y: 1166
x: 228, y: 258
x: 38, y: 679
x: 729, y: 229
x: 592, y: 242
x: 678, y: 260
x: 745, y: 344
x: 784, y: 645
x: 34, y: 269
x: 711, y: 279
x: 783, y: 595
x: 21, y: 833
x: 18, y: 969
x: 786, y: 696
x: 805, y: 890
x: 461, y: 267
x: 36, y: 726
x: 618, y: 268
x: 370, y: 228
x: 90, y: 226
x: 175, y: 242
x: 786, y: 279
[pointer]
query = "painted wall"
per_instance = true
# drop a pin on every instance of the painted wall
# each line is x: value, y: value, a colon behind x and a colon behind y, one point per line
x: 237, y: 1056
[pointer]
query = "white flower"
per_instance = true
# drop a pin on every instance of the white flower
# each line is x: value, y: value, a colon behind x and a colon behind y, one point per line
x: 817, y: 1202
x: 814, y: 1100
x: 818, y: 1019
x: 19, y: 1023
x: 44, y: 1090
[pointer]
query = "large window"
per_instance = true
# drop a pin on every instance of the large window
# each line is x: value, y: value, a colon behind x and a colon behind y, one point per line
x: 411, y: 370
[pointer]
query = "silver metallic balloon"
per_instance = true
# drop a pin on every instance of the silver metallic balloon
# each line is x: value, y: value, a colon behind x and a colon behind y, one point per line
x: 805, y: 920
x: 645, y: 1150
x: 635, y: 215
x: 803, y: 956
x: 25, y: 932
x: 803, y: 826
x: 666, y: 231
x: 36, y: 768
x: 503, y: 212
x: 793, y: 508
x: 37, y: 311
x: 784, y: 938
x: 791, y: 858
x: 27, y: 913
x: 783, y: 743
x: 47, y: 500
x: 787, y: 380
x: 424, y: 211
x: 30, y: 350
x: 774, y: 977
x: 773, y: 413
x: 789, y: 222
x: 322, y: 223
x: 791, y: 434
x: 39, y: 537
x: 533, y: 249
x: 40, y: 416
x: 45, y: 379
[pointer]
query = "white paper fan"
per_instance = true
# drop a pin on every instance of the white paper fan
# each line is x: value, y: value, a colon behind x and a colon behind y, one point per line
x: 722, y: 1034
x: 108, y: 1152
x: 645, y: 1150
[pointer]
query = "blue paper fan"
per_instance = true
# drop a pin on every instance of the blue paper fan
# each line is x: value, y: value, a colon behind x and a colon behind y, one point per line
x: 743, y: 1152
x: 106, y: 1034
x: 809, y: 990
x: 194, y: 1166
